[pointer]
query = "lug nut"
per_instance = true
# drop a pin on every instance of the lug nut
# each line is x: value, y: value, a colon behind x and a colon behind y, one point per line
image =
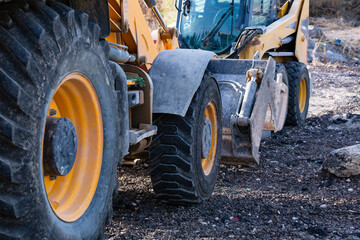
x: 52, y: 112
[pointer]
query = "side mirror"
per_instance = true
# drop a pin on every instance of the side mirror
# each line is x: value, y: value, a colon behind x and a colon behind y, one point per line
x: 187, y: 6
x: 150, y: 3
x: 178, y: 5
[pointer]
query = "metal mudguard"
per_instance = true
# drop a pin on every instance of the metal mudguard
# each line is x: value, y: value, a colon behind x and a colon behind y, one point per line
x: 176, y: 76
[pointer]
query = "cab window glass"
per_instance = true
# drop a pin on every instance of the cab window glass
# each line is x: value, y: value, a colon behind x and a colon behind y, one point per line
x: 211, y: 24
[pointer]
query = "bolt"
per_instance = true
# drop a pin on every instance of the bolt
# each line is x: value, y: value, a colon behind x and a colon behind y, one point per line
x: 52, y: 112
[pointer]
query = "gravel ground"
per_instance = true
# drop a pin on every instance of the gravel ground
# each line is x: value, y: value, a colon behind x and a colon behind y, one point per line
x: 285, y: 197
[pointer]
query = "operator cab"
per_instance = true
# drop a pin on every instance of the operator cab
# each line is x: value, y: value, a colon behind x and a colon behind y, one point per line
x: 214, y: 25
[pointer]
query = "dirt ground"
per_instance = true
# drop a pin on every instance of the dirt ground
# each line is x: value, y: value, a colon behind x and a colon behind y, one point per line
x: 286, y: 197
x: 339, y: 29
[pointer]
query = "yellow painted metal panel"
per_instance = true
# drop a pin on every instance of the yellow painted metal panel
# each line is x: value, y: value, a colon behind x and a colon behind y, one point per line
x: 303, y: 34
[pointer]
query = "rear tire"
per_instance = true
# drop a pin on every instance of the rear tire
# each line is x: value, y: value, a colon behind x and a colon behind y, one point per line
x: 299, y: 93
x: 181, y: 172
x: 40, y: 45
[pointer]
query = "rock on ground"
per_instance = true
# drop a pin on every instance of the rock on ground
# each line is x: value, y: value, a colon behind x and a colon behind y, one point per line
x: 343, y: 162
x: 315, y: 32
x: 322, y: 53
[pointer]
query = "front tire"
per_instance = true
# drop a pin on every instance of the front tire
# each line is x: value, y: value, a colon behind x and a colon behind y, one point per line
x: 55, y: 65
x: 299, y: 93
x: 185, y: 155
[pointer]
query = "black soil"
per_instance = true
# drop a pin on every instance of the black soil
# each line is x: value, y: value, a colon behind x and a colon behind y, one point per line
x: 285, y: 197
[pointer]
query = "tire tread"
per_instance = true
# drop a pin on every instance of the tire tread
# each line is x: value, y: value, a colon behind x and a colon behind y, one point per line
x: 293, y: 70
x: 32, y: 34
x: 170, y: 155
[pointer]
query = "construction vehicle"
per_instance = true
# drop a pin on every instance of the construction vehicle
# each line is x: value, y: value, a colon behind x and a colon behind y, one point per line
x: 73, y: 105
x: 268, y: 29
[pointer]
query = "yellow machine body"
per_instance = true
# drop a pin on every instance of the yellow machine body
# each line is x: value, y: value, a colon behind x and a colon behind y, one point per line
x: 129, y: 27
x: 292, y: 21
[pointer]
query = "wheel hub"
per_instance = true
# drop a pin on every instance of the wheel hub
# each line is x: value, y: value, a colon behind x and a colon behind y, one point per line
x: 206, y: 138
x: 60, y: 146
x: 70, y: 196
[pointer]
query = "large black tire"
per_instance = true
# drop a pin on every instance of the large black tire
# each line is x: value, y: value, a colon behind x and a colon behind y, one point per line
x: 39, y: 45
x: 296, y: 73
x: 175, y: 154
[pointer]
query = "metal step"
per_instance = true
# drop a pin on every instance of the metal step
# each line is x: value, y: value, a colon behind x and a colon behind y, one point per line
x: 144, y: 131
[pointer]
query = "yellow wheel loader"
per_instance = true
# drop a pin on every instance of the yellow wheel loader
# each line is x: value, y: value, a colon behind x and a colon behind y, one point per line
x: 84, y: 85
x: 251, y: 29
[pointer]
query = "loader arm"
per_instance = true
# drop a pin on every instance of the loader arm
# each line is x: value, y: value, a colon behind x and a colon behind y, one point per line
x: 129, y: 27
x: 293, y: 23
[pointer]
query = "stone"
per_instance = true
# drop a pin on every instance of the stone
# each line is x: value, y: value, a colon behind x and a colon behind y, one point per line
x: 343, y: 162
x: 315, y: 32
x: 338, y: 119
x: 324, y: 53
x: 311, y: 44
x: 350, y: 121
x: 334, y: 57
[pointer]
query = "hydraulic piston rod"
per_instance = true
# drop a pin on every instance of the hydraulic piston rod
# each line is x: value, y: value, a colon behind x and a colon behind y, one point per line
x: 160, y: 18
x: 254, y: 77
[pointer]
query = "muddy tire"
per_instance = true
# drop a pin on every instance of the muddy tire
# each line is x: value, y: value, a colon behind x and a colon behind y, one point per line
x: 185, y: 154
x: 299, y: 93
x: 51, y: 58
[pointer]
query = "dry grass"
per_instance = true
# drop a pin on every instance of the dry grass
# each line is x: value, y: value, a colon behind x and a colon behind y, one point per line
x: 349, y: 9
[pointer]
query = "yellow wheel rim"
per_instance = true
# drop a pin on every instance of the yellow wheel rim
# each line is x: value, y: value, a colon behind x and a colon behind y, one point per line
x: 302, y: 95
x: 70, y: 196
x: 208, y: 162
